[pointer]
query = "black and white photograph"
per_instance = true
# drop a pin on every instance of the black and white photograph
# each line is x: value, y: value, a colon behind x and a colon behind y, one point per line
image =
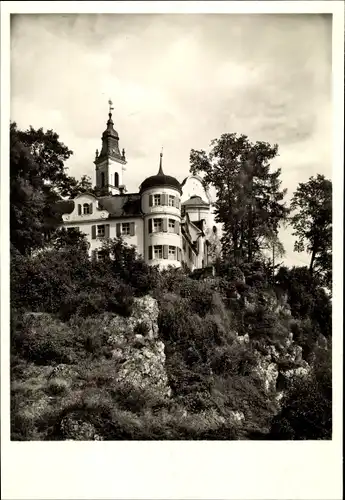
x: 171, y: 219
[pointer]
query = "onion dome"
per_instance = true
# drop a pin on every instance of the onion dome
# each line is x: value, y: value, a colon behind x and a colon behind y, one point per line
x: 161, y: 180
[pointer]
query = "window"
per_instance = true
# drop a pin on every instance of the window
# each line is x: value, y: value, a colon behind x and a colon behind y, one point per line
x: 100, y: 231
x: 157, y: 252
x: 116, y: 176
x: 171, y: 200
x: 102, y: 179
x: 126, y: 228
x: 172, y: 253
x: 171, y: 226
x: 156, y: 199
x: 86, y: 209
x: 157, y: 225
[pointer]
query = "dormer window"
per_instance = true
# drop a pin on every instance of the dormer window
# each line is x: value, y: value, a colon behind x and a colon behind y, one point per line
x: 86, y: 209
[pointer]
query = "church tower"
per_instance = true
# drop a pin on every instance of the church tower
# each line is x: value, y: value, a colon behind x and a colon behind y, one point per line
x: 110, y: 163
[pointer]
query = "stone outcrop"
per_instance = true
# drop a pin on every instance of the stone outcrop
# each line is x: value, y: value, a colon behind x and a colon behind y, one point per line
x: 137, y: 347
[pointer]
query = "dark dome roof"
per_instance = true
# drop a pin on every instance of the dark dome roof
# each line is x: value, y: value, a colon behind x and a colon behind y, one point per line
x: 161, y: 180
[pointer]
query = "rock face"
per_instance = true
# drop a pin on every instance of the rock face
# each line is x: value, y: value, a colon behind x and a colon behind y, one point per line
x: 137, y: 347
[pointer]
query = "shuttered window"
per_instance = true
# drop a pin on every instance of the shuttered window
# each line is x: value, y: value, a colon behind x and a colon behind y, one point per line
x: 158, y: 251
x: 157, y: 225
x: 101, y: 231
x: 125, y: 229
x: 171, y: 225
x: 172, y: 253
x: 157, y: 200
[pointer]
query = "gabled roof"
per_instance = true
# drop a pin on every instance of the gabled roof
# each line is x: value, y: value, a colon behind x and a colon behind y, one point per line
x: 117, y: 206
x: 121, y: 205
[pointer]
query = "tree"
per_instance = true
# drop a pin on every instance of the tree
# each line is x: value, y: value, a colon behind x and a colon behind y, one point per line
x: 312, y: 223
x: 249, y: 200
x: 38, y: 179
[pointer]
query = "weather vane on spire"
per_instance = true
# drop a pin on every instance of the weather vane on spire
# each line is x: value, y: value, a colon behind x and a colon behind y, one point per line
x: 110, y: 102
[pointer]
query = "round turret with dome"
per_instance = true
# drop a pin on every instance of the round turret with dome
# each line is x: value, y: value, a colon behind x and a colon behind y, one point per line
x: 161, y: 206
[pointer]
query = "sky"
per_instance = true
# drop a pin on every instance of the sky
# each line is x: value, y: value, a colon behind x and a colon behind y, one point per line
x: 177, y: 82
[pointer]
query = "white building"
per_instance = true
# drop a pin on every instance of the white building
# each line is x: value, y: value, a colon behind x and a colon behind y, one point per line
x: 168, y: 222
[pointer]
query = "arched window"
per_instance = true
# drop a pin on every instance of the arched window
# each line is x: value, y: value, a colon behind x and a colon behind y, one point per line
x: 116, y: 179
x: 86, y: 208
x: 102, y: 179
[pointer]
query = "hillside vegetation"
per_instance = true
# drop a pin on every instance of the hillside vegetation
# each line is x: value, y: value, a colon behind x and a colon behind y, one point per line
x: 120, y: 350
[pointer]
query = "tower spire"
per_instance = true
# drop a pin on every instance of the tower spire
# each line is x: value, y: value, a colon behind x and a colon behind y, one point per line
x: 160, y: 171
x: 110, y: 102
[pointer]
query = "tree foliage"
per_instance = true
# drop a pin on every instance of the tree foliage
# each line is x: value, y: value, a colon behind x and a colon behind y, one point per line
x: 38, y: 179
x: 249, y: 200
x: 312, y: 223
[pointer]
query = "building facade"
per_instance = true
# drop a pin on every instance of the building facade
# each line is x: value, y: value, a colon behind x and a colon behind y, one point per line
x: 168, y: 222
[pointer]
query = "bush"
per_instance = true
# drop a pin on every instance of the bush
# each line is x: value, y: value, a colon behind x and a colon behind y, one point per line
x: 42, y: 340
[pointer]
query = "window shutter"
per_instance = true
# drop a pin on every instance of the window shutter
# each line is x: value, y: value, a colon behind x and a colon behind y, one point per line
x: 150, y: 225
x: 150, y: 200
x: 107, y: 230
x: 165, y: 225
x: 165, y: 251
x: 79, y: 209
x: 90, y: 208
x: 118, y: 229
x: 132, y: 229
x: 178, y: 254
x: 93, y: 232
x: 150, y: 252
x: 176, y: 202
x: 177, y: 227
x: 164, y: 199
